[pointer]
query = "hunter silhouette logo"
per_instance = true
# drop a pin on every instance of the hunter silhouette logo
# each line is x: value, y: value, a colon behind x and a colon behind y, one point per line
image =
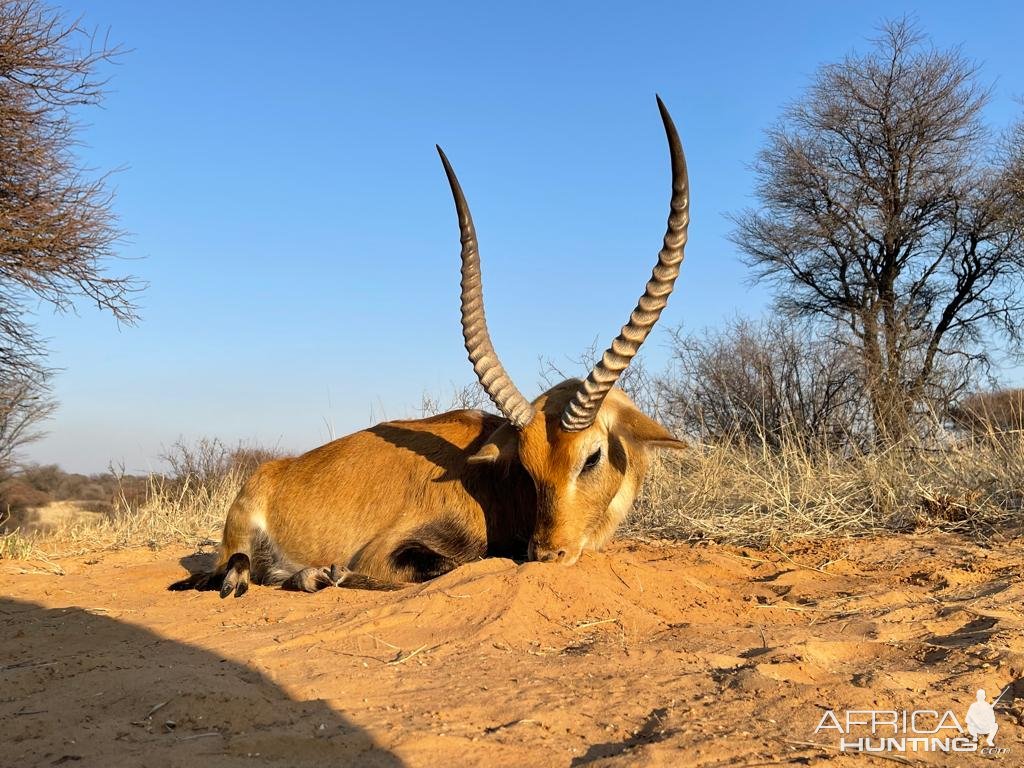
x: 981, y: 719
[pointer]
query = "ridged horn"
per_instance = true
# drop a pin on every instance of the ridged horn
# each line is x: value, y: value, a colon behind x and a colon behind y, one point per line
x: 495, y: 381
x: 581, y: 411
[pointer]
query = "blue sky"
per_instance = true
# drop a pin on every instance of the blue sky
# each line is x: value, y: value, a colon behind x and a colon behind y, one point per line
x: 291, y: 216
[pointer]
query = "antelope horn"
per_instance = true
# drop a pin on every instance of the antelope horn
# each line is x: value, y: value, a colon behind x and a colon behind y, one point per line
x: 581, y: 411
x: 495, y: 381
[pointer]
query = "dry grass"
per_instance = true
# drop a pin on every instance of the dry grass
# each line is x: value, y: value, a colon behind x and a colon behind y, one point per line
x: 724, y: 492
x: 15, y: 546
x: 742, y: 494
x: 185, y: 512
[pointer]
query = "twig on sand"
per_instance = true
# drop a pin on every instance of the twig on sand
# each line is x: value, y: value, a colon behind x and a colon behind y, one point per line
x: 24, y: 711
x: 156, y: 708
x: 199, y: 736
x: 495, y: 728
x: 354, y: 655
x: 383, y: 642
x: 463, y: 597
x: 400, y: 659
x: 801, y: 565
x: 586, y: 624
x: 617, y: 576
x: 794, y: 608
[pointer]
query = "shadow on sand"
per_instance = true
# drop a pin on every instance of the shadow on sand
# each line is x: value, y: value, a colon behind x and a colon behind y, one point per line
x: 81, y: 689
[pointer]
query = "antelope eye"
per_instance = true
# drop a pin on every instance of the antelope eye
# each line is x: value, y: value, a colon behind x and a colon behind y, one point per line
x: 591, y: 461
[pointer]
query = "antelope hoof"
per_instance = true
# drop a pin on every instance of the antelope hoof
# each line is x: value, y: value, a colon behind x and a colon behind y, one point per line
x: 236, y: 576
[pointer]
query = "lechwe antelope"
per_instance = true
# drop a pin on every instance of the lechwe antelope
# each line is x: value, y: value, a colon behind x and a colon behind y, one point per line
x: 406, y: 501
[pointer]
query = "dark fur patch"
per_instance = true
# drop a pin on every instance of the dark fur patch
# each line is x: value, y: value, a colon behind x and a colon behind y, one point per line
x: 269, y: 566
x: 421, y: 562
x: 435, y: 548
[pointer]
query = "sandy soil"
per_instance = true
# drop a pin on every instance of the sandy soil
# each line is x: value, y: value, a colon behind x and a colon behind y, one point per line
x: 649, y: 654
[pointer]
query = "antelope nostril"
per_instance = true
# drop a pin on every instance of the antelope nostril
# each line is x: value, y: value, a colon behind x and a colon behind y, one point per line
x: 544, y: 555
x: 550, y: 555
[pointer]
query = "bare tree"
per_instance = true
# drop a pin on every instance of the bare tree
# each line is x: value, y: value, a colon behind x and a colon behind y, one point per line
x: 208, y: 461
x: 636, y: 381
x: 469, y: 396
x: 24, y: 403
x: 57, y: 230
x: 889, y: 208
x: 770, y: 382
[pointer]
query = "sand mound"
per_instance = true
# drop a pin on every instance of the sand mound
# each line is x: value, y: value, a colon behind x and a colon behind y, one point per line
x: 514, y: 606
x: 649, y: 654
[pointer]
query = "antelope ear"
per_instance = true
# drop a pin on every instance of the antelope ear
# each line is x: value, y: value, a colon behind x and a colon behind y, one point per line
x: 647, y: 431
x: 502, y: 445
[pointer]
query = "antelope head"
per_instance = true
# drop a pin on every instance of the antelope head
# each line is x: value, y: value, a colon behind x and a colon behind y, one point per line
x: 584, y: 443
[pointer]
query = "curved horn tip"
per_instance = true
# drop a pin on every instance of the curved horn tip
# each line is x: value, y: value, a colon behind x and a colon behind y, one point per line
x: 666, y: 118
x: 453, y: 180
x: 444, y: 157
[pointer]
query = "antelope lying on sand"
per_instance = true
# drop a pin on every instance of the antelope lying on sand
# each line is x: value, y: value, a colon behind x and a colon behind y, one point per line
x: 406, y: 501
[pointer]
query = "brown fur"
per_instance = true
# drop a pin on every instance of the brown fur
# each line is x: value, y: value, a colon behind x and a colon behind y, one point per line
x: 405, y: 501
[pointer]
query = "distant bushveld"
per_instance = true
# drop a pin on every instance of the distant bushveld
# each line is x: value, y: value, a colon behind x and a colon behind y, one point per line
x: 47, y: 512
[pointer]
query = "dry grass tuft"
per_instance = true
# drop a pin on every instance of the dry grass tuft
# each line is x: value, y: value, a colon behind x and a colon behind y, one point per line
x: 185, y: 512
x: 16, y: 546
x: 749, y: 495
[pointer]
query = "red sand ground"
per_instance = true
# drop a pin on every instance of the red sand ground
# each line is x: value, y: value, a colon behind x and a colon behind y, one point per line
x: 648, y: 654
